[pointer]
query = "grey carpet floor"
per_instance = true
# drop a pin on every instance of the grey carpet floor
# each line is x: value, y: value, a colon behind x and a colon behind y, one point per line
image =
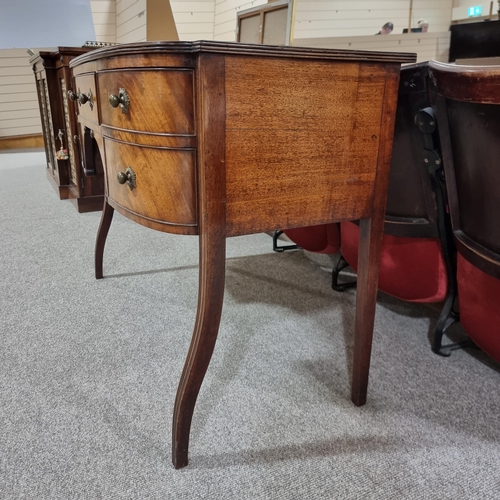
x: 89, y: 370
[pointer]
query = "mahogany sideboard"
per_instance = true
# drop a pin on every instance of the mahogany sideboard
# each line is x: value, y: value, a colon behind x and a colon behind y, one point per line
x: 59, y: 126
x: 225, y: 139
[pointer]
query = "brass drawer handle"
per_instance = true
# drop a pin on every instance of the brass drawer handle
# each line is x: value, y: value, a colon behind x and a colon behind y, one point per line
x: 122, y: 100
x: 127, y: 177
x: 82, y: 98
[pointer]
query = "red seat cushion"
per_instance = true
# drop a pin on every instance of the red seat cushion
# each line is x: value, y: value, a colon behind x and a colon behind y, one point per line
x: 479, y: 301
x: 324, y: 238
x: 411, y: 269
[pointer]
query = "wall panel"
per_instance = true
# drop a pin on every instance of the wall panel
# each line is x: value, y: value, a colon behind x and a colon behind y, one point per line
x: 130, y: 21
x: 194, y: 20
x: 331, y: 18
x: 426, y: 45
x: 19, y: 112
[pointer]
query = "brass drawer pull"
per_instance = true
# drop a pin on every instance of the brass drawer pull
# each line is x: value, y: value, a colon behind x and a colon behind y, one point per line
x: 122, y: 100
x: 127, y: 177
x: 82, y: 98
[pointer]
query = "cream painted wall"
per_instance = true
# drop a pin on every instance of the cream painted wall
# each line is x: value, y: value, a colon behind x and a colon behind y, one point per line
x: 124, y: 21
x: 194, y: 20
x: 19, y: 112
x: 104, y: 17
x: 461, y: 7
x: 330, y: 18
x: 130, y: 21
x: 427, y: 46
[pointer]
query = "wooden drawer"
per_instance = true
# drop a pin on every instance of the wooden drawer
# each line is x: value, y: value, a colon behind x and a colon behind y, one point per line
x: 161, y: 101
x: 165, y: 189
x: 85, y: 84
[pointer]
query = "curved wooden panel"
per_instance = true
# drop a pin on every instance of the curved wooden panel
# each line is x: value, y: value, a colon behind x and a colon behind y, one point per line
x: 165, y: 189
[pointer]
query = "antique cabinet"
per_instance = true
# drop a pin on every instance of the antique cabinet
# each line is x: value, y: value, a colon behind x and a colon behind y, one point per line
x: 225, y: 139
x: 65, y: 169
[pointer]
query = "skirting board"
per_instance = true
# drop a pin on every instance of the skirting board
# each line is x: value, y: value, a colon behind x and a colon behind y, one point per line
x: 22, y: 142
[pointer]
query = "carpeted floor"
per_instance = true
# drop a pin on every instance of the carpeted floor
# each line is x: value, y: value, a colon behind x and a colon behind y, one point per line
x: 89, y: 371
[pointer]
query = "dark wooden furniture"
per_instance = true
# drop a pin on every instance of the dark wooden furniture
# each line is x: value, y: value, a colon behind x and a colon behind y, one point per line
x: 474, y: 40
x: 417, y: 259
x: 59, y: 126
x: 226, y: 139
x: 467, y: 100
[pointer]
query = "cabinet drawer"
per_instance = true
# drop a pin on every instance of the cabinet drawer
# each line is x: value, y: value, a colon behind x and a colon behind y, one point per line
x: 160, y: 101
x: 85, y: 84
x: 165, y: 185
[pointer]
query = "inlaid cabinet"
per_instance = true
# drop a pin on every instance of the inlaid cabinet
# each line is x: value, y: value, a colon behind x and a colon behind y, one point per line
x: 65, y: 168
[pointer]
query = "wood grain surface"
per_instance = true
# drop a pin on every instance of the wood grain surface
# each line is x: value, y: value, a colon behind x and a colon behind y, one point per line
x: 301, y: 142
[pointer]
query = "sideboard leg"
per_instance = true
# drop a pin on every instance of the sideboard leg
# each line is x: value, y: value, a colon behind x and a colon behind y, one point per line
x: 370, y: 244
x: 210, y: 299
x: 102, y: 233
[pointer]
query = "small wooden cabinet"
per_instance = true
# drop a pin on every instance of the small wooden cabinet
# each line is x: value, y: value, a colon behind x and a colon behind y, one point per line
x: 65, y: 169
x: 224, y: 139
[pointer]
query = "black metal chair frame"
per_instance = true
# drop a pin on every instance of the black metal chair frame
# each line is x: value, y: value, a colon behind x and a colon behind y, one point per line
x: 438, y: 225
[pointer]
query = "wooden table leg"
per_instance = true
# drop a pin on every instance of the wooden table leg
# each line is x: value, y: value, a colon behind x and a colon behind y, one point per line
x: 102, y: 233
x: 370, y: 245
x: 210, y: 299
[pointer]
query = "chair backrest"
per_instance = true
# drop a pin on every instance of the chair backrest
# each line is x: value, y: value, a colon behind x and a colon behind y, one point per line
x: 411, y: 201
x: 467, y: 103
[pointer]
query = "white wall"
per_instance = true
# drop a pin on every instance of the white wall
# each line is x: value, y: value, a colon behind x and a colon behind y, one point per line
x: 130, y: 21
x: 104, y: 17
x: 460, y: 10
x: 19, y: 111
x: 194, y: 20
x: 327, y: 18
x: 426, y: 45
x: 124, y: 21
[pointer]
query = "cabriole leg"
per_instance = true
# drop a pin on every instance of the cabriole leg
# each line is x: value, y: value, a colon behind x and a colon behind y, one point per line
x: 102, y: 233
x: 210, y: 299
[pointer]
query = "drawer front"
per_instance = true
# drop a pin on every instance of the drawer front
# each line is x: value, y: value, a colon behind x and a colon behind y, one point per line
x: 160, y: 101
x: 165, y: 185
x: 85, y: 85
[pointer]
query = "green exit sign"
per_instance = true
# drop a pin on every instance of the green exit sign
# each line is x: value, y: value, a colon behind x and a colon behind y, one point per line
x: 475, y: 11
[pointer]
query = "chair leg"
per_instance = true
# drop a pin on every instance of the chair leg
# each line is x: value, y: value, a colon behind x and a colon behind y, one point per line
x: 282, y: 248
x: 447, y: 318
x: 426, y: 122
x: 339, y: 267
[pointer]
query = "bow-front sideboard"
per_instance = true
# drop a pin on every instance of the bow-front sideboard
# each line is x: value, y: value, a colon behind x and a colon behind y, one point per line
x: 224, y: 139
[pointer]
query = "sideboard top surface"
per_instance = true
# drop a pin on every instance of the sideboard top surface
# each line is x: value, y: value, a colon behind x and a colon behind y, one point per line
x: 244, y: 49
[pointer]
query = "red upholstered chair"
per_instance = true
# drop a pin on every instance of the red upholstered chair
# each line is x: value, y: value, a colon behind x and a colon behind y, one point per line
x: 467, y: 102
x: 417, y: 257
x: 324, y: 238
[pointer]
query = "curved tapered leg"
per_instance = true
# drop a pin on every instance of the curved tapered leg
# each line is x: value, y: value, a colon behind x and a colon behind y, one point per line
x: 102, y: 233
x: 212, y: 226
x: 370, y: 245
x: 210, y: 299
